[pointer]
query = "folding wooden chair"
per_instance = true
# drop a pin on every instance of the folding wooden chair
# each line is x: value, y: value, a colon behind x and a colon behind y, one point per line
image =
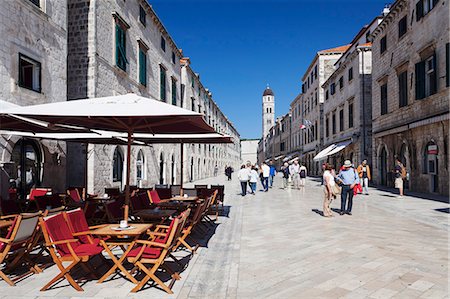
x: 114, y: 211
x: 188, y: 228
x: 161, y: 186
x: 200, y: 186
x: 17, y: 243
x: 190, y: 191
x: 79, y: 227
x: 164, y: 193
x: 175, y: 190
x: 154, y: 252
x: 64, y: 248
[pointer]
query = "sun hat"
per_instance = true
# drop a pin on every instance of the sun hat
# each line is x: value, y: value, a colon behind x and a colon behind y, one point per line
x: 348, y: 163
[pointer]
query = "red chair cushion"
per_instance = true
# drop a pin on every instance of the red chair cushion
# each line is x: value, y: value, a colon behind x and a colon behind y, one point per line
x: 149, y: 252
x: 59, y: 230
x: 37, y: 192
x: 73, y: 193
x: 78, y: 224
x: 155, y: 197
x: 86, y: 249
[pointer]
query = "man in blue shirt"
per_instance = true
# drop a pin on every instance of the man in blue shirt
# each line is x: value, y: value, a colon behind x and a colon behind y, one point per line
x: 273, y: 172
x: 349, y: 178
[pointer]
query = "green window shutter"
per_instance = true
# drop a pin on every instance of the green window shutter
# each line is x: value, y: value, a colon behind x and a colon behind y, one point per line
x: 174, y: 92
x: 121, y: 57
x: 420, y: 80
x: 419, y: 10
x: 434, y: 78
x: 142, y: 67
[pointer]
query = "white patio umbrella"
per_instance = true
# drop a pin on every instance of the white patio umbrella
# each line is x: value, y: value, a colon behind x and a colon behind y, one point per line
x: 128, y: 113
x: 108, y: 137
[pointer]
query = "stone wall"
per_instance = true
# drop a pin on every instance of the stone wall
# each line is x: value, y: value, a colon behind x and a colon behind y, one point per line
x: 405, y: 131
x: 39, y: 33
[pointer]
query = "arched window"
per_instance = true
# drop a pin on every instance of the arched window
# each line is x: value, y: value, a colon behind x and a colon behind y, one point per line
x: 140, y: 165
x: 117, y: 165
x: 27, y: 162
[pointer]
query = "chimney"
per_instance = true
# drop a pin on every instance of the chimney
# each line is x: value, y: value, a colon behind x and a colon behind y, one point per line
x: 386, y: 10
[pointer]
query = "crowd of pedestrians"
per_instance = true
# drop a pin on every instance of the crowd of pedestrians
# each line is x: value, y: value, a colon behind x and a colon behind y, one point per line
x: 345, y: 183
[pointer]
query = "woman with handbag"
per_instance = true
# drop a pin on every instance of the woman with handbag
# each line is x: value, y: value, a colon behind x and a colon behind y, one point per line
x: 328, y: 185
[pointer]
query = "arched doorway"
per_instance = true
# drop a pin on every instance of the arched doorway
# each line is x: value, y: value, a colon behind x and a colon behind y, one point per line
x: 140, y: 171
x: 161, y: 168
x: 430, y: 165
x: 118, y: 166
x: 382, y: 166
x: 27, y: 165
x: 172, y: 170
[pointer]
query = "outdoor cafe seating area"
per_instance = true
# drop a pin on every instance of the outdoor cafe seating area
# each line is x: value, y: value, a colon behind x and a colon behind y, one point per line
x: 77, y: 231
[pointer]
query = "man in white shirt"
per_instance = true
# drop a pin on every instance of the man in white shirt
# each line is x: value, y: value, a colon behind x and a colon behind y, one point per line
x: 266, y: 174
x: 244, y: 176
x: 295, y: 174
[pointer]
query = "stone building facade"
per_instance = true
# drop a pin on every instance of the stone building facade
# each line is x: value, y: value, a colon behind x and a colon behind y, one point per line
x: 296, y: 108
x: 410, y: 94
x: 348, y: 103
x: 118, y: 47
x: 249, y: 149
x: 33, y: 70
x: 315, y: 76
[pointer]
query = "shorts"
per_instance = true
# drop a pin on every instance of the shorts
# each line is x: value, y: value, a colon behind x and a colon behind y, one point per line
x: 398, y: 183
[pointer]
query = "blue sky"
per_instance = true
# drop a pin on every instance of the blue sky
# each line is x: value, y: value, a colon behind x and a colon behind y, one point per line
x: 240, y: 46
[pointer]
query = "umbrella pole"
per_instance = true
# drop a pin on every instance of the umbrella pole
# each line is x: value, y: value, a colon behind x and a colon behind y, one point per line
x: 181, y: 167
x: 127, y: 187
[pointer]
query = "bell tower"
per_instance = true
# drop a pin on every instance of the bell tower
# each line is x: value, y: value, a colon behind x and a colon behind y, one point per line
x: 268, y: 111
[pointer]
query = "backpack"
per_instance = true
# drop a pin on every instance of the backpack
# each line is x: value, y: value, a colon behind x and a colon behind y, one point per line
x: 302, y: 173
x: 403, y: 172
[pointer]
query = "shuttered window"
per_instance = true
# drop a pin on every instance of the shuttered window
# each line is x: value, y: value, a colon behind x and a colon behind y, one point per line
x: 36, y: 2
x: 332, y: 88
x: 383, y: 45
x: 447, y: 65
x: 350, y: 115
x: 350, y: 74
x: 403, y: 89
x: 142, y: 15
x: 29, y: 73
x: 162, y: 83
x: 341, y: 82
x: 121, y: 50
x: 341, y: 120
x: 426, y: 77
x: 402, y: 27
x: 174, y: 91
x: 142, y: 67
x: 327, y: 126
x: 384, y: 99
x: 333, y: 123
x: 423, y: 7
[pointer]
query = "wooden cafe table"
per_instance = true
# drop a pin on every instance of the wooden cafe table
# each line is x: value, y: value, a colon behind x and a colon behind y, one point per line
x: 119, y: 237
x: 182, y: 199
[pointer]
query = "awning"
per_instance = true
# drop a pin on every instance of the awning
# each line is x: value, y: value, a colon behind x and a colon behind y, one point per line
x: 331, y: 150
x: 339, y: 147
x: 324, y: 153
x: 279, y: 157
x: 296, y: 158
x: 287, y: 158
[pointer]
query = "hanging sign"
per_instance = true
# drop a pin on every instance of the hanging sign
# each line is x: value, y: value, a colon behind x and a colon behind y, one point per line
x: 432, y: 150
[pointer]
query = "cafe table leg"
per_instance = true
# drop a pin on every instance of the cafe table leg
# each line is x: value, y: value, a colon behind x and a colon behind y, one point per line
x: 117, y: 264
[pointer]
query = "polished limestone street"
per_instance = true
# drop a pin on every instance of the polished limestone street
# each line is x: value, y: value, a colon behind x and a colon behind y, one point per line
x: 277, y: 245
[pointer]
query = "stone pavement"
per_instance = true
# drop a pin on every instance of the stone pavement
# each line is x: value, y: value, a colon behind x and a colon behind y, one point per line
x: 276, y: 245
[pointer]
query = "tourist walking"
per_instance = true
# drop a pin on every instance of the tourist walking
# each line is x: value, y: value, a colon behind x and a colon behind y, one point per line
x: 349, y: 178
x: 328, y: 190
x: 285, y: 171
x: 364, y: 176
x: 273, y: 172
x: 228, y: 171
x: 244, y: 177
x: 294, y: 171
x: 400, y: 175
x: 216, y: 170
x: 265, y: 169
x: 253, y: 179
x: 303, y: 173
